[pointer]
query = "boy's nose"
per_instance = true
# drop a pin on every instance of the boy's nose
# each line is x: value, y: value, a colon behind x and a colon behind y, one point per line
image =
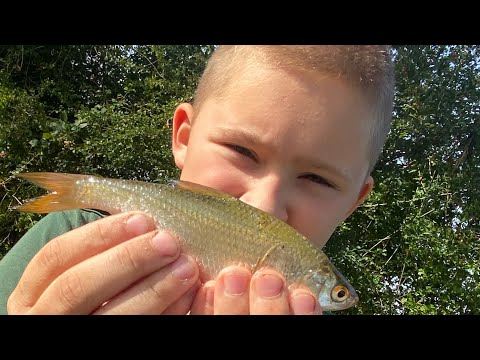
x: 268, y: 195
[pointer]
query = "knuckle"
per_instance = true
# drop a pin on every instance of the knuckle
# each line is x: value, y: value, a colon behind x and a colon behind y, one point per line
x: 103, y: 233
x: 158, y: 291
x: 51, y: 256
x: 126, y: 258
x: 164, y: 289
x: 71, y: 289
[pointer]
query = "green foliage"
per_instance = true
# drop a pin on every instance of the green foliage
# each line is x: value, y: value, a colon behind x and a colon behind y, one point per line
x: 102, y: 110
x: 412, y: 248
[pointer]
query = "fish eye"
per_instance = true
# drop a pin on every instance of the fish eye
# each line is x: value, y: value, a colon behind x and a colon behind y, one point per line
x: 340, y: 293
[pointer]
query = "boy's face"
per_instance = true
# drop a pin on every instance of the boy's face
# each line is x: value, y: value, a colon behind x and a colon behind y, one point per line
x: 286, y: 143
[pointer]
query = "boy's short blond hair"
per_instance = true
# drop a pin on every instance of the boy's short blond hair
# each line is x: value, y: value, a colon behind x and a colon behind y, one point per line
x: 367, y: 67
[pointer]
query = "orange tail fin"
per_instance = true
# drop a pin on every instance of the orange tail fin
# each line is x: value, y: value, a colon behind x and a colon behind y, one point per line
x: 60, y: 185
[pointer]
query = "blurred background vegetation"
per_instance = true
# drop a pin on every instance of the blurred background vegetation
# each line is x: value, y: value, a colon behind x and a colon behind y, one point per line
x: 412, y: 248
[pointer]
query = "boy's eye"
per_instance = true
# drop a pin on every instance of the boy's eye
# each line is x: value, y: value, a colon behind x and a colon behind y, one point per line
x: 243, y: 151
x: 317, y: 179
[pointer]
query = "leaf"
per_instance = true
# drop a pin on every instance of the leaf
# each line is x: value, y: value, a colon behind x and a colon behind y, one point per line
x: 33, y: 142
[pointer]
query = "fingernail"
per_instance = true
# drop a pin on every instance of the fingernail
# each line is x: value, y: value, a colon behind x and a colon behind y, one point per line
x: 235, y: 282
x: 268, y: 285
x: 165, y: 244
x: 303, y: 303
x: 183, y: 268
x: 139, y: 224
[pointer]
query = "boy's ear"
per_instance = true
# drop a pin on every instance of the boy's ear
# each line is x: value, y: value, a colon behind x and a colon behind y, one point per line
x: 362, y: 195
x: 182, y: 125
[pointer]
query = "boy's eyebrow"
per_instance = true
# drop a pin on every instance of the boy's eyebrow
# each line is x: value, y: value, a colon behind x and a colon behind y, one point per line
x: 245, y: 134
x: 334, y: 171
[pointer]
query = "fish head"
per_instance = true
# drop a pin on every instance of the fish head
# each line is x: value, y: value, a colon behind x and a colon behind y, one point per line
x: 334, y: 292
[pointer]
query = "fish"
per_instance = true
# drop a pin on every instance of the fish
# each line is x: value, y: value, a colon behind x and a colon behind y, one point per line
x: 216, y: 228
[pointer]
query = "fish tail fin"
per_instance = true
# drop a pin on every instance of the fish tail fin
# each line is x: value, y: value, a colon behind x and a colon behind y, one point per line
x: 60, y: 185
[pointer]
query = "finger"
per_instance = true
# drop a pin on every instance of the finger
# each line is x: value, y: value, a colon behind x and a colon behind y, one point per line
x: 302, y: 302
x: 268, y: 293
x: 183, y: 305
x: 232, y: 291
x: 73, y: 247
x: 86, y: 286
x: 203, y: 303
x: 158, y: 291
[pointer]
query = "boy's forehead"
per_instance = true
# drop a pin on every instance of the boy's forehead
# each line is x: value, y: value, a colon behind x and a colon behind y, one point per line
x: 300, y: 96
x: 270, y: 87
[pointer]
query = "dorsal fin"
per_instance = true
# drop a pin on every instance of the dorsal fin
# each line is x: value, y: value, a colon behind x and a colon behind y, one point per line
x: 201, y: 189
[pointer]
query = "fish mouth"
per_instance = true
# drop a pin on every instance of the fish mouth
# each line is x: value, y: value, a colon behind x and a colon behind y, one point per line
x: 354, y: 298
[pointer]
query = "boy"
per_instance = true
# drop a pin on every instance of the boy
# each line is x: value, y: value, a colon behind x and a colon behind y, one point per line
x: 292, y: 130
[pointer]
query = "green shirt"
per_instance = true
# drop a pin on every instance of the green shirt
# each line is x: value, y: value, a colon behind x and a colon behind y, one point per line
x: 13, y: 264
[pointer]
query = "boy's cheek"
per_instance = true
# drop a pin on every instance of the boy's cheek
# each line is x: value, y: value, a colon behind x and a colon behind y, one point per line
x: 229, y: 181
x: 215, y: 173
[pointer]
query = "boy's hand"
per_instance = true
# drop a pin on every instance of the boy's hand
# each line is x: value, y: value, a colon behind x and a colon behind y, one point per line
x: 236, y: 291
x: 116, y: 265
